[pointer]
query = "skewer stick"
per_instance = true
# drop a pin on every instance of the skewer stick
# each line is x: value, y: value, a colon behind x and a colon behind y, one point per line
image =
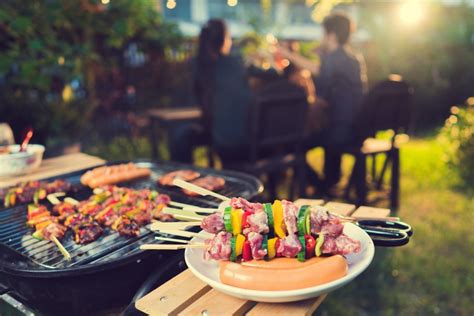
x: 172, y: 239
x: 197, y: 189
x: 61, y: 248
x: 181, y: 233
x: 187, y: 215
x: 194, y: 208
x: 171, y: 247
x: 53, y: 199
x: 173, y: 225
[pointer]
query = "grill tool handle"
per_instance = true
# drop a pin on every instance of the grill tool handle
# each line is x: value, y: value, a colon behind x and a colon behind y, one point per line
x: 384, y: 237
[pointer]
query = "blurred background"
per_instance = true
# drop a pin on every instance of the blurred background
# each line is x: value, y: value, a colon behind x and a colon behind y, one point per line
x: 84, y: 73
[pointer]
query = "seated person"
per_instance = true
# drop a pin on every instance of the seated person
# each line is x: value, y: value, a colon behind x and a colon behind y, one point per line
x: 341, y: 81
x: 222, y: 90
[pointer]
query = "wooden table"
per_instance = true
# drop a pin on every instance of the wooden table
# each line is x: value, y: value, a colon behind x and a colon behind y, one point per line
x: 166, y: 118
x: 54, y: 167
x: 187, y: 295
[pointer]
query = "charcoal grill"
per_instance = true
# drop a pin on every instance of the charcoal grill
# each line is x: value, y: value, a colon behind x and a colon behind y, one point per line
x: 101, y: 274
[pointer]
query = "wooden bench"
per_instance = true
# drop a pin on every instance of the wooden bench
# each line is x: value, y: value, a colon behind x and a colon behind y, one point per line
x: 187, y: 295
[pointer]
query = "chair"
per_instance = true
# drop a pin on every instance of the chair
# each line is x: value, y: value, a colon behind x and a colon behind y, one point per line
x: 387, y: 106
x: 276, y: 133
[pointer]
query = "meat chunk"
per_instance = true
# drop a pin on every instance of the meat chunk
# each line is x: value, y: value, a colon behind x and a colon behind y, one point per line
x: 322, y: 221
x: 213, y: 223
x: 256, y: 240
x: 290, y: 214
x: 186, y: 175
x: 209, y: 182
x: 219, y: 247
x: 341, y: 245
x: 54, y: 229
x: 258, y: 223
x: 289, y: 246
x: 88, y: 233
x: 128, y: 228
x: 241, y: 203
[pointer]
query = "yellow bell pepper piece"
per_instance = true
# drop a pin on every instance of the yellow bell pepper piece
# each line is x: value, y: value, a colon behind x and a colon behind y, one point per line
x: 236, y: 216
x: 239, y: 244
x: 272, y: 248
x: 279, y: 224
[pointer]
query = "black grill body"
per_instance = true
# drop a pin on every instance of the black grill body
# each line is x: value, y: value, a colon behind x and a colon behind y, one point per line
x: 106, y: 272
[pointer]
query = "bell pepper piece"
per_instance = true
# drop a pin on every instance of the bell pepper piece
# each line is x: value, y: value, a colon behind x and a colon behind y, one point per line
x: 302, y: 254
x: 40, y: 226
x: 38, y: 235
x: 279, y: 224
x: 319, y: 244
x: 233, y: 252
x: 236, y: 221
x: 245, y: 217
x: 310, y: 244
x: 247, y: 252
x: 228, y: 219
x: 303, y: 213
x: 272, y: 243
x: 268, y: 210
x: 239, y: 244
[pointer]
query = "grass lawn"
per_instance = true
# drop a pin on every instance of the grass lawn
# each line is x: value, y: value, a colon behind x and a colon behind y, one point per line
x: 434, y: 273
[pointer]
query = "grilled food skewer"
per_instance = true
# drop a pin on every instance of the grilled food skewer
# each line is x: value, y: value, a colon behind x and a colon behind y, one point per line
x: 188, y: 215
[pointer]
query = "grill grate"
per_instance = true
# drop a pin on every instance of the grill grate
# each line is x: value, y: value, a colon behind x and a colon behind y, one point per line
x: 44, y: 254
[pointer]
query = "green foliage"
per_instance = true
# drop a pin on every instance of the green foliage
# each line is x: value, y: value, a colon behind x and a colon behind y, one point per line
x: 45, y: 45
x: 457, y: 136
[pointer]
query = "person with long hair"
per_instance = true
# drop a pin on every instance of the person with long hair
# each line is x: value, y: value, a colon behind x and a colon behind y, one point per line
x: 222, y: 90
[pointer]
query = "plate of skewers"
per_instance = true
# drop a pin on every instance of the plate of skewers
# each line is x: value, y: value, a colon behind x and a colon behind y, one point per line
x: 268, y: 252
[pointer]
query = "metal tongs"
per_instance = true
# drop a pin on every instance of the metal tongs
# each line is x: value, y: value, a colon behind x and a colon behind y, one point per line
x: 384, y: 232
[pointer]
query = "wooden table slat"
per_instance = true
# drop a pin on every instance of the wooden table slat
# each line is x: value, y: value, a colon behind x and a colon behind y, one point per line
x: 56, y: 166
x: 341, y: 208
x: 365, y: 211
x: 217, y: 303
x: 173, y: 296
x: 300, y: 308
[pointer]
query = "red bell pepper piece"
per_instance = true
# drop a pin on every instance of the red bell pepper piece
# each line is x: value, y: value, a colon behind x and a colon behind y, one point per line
x: 310, y: 245
x: 244, y: 219
x: 247, y: 251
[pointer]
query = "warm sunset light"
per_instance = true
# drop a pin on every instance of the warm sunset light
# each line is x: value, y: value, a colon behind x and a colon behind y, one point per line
x: 232, y: 3
x: 171, y: 4
x: 411, y: 12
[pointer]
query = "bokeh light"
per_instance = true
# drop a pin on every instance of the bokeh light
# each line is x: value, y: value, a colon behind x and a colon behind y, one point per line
x: 411, y: 12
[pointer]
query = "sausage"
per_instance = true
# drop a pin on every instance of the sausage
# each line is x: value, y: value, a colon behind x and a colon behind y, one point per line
x: 282, y: 273
x: 113, y: 174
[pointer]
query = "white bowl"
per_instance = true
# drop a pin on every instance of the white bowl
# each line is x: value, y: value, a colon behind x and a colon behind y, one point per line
x: 208, y: 271
x: 17, y: 163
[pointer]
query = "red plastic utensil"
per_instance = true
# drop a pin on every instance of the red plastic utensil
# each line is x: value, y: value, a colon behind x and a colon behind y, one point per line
x: 27, y: 139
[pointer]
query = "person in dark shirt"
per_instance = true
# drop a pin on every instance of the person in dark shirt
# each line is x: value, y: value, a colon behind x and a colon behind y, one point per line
x: 221, y: 89
x: 341, y: 81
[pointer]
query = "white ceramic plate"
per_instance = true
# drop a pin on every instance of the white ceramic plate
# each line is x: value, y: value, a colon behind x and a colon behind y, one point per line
x: 208, y: 271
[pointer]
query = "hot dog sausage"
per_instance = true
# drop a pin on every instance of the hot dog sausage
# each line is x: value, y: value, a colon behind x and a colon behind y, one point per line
x: 282, y: 273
